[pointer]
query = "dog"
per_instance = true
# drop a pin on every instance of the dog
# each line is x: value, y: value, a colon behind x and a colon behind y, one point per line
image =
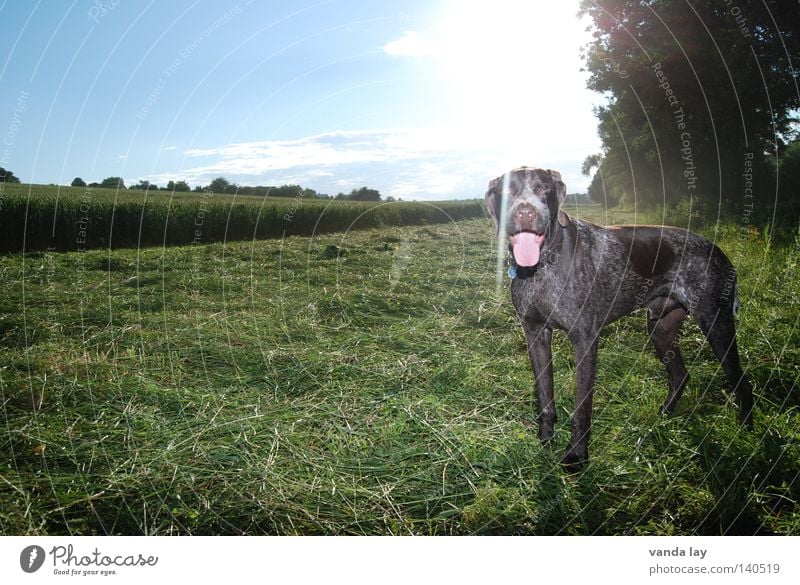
x: 576, y: 276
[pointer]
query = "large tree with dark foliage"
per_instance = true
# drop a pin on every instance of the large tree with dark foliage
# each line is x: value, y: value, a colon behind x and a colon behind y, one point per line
x: 701, y: 96
x: 178, y: 187
x: 112, y: 183
x: 220, y: 185
x: 7, y: 176
x: 364, y: 194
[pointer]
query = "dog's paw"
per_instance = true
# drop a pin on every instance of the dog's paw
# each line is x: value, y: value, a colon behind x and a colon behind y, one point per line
x: 573, y: 461
x: 667, y: 409
x: 546, y: 428
x: 546, y: 436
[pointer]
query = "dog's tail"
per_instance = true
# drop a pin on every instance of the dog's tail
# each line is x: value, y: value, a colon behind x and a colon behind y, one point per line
x: 736, y: 305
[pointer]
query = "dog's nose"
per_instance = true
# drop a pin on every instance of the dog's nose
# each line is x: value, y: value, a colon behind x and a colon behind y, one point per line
x: 526, y: 214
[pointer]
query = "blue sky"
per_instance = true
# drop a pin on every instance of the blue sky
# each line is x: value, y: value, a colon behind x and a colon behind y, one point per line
x: 419, y: 99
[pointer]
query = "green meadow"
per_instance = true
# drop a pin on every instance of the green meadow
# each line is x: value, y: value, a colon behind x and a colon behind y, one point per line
x: 370, y: 381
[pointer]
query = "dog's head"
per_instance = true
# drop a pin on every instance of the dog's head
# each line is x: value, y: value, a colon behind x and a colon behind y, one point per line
x: 525, y: 205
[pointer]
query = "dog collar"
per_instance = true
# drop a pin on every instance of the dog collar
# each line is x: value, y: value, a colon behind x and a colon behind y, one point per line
x: 522, y: 272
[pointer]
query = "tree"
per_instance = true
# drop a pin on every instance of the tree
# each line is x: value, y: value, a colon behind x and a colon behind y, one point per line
x: 219, y: 185
x: 7, y: 176
x: 145, y: 186
x: 289, y: 191
x: 788, y: 172
x: 286, y: 191
x: 789, y: 168
x: 78, y: 182
x: 113, y: 183
x: 696, y: 92
x: 364, y: 194
x: 179, y: 187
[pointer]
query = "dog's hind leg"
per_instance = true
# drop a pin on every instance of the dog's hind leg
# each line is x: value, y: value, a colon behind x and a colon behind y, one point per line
x: 663, y: 329
x: 719, y: 328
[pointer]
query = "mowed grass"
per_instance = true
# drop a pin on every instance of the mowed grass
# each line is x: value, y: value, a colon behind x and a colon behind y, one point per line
x: 372, y: 382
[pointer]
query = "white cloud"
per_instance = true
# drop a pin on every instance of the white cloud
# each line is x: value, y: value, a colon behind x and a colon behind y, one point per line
x: 421, y: 163
x: 411, y: 44
x: 321, y: 150
x: 404, y: 161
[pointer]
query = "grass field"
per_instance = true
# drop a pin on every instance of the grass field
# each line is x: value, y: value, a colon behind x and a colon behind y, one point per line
x: 370, y: 382
x: 69, y: 219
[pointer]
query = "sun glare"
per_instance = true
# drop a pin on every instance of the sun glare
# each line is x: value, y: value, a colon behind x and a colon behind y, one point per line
x: 512, y: 69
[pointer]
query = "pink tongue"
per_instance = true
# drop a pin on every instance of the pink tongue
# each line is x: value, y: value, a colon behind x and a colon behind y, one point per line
x: 526, y: 248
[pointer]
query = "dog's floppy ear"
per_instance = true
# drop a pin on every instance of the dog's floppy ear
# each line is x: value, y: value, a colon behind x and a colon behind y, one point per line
x: 561, y: 192
x: 494, y: 199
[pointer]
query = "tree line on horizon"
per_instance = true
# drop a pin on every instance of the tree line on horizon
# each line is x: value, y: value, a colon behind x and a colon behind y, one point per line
x: 221, y: 185
x: 218, y: 185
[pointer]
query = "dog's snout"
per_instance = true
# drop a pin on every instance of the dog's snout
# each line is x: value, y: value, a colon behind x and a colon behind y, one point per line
x: 526, y: 213
x: 526, y: 217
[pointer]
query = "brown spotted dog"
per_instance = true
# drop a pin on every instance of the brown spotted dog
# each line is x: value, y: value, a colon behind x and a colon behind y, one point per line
x: 576, y: 276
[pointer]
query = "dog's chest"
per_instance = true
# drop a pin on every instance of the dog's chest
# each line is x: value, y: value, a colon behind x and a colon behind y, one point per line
x: 540, y: 299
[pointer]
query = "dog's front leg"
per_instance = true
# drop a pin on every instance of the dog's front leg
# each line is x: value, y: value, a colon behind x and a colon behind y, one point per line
x: 539, y: 340
x: 586, y: 359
